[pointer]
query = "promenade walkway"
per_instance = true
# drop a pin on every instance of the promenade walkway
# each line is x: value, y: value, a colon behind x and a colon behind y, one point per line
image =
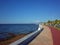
x: 55, y: 35
x: 44, y: 38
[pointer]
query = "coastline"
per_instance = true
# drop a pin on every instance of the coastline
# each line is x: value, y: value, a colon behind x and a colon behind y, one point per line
x: 6, y: 42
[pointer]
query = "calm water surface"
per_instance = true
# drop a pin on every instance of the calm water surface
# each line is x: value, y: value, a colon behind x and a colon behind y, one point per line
x: 16, y: 29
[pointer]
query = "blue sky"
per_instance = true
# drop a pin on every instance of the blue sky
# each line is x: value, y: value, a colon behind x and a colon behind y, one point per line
x: 29, y: 11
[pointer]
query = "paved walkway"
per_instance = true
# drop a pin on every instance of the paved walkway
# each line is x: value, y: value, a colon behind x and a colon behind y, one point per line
x: 44, y: 38
x: 55, y: 35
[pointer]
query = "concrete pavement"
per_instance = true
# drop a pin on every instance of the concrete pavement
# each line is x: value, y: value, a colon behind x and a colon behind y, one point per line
x: 44, y: 38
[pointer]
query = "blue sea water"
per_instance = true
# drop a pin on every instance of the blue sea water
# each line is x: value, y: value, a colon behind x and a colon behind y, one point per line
x: 18, y: 28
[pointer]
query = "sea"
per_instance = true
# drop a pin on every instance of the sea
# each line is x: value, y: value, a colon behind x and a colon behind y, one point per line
x: 17, y: 29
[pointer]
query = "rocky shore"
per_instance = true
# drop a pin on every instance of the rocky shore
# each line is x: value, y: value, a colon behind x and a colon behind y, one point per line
x: 12, y: 39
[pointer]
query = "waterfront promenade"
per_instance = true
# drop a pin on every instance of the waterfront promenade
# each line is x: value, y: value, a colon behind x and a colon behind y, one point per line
x: 44, y: 38
x: 48, y: 36
x: 55, y: 35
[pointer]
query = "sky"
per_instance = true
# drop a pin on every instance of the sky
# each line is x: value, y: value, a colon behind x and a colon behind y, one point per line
x: 29, y: 11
